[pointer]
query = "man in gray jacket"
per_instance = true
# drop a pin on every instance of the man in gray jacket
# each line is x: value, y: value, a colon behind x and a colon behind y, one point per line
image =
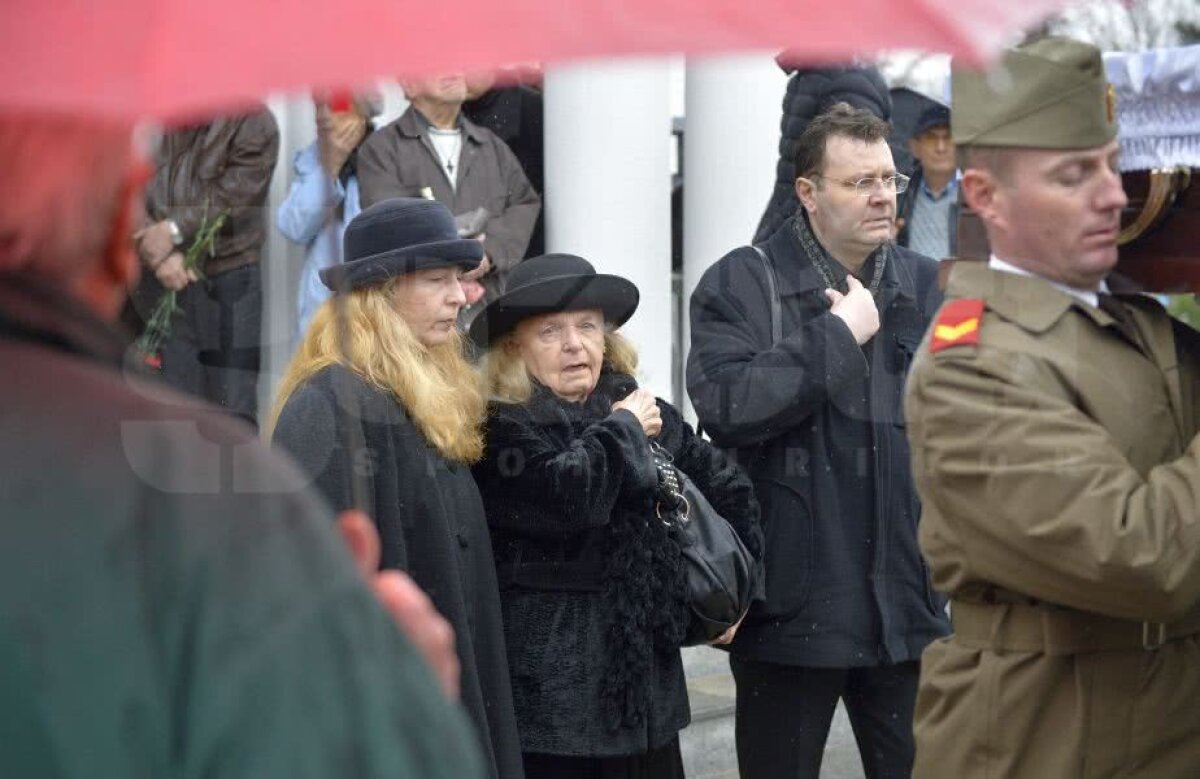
x: 174, y: 600
x: 433, y: 151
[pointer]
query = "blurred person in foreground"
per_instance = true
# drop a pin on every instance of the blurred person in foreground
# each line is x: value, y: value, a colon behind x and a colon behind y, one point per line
x: 164, y: 614
x: 323, y: 197
x: 592, y: 585
x: 1054, y: 438
x: 383, y: 364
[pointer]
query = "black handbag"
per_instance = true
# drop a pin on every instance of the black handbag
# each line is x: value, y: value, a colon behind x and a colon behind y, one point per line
x: 720, y: 571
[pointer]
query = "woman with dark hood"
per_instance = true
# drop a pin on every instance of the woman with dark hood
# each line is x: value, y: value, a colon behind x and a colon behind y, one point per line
x: 810, y: 92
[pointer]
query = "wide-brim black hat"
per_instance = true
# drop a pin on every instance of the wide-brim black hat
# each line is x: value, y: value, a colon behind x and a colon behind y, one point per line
x: 549, y: 284
x: 398, y: 236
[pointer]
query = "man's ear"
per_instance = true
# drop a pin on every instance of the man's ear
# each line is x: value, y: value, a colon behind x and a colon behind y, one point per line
x: 984, y: 195
x: 804, y: 193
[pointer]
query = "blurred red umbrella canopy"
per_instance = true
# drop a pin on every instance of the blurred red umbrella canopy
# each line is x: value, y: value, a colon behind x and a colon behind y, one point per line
x: 174, y: 59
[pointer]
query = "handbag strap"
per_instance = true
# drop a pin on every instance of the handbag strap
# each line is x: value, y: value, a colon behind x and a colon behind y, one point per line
x: 668, y: 496
x: 775, y: 305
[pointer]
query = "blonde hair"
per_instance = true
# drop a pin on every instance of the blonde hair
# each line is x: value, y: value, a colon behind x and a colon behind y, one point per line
x: 508, y: 380
x: 440, y: 391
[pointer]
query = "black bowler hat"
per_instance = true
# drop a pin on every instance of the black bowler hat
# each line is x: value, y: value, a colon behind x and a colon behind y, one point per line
x: 552, y: 283
x: 399, y: 236
x: 934, y: 115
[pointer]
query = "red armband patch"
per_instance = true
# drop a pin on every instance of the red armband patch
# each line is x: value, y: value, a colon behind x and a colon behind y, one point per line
x: 957, y: 324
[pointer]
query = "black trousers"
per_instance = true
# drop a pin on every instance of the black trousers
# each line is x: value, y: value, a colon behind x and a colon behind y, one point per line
x: 666, y: 762
x: 784, y: 713
x: 214, y: 349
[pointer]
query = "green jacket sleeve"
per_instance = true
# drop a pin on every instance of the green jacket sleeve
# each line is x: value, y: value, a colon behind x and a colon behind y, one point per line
x: 298, y: 671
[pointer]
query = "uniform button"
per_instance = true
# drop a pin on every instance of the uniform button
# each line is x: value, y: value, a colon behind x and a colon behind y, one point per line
x: 462, y: 540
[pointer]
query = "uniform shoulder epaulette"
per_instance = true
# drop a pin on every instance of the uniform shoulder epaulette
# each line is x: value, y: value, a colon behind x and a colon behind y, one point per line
x: 957, y: 324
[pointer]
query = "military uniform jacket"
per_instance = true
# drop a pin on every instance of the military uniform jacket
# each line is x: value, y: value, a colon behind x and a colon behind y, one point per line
x: 1059, y: 472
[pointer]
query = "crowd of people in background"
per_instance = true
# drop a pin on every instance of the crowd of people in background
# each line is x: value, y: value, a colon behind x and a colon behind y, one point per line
x: 463, y: 414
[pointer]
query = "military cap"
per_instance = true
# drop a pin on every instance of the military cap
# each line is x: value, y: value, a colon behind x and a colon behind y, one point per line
x: 1050, y: 94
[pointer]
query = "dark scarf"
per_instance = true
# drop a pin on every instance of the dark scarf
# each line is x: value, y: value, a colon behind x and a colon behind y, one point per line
x: 645, y: 613
x: 832, y: 271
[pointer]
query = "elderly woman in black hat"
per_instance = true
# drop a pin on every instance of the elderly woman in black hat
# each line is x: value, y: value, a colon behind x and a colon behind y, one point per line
x: 380, y: 407
x: 591, y: 586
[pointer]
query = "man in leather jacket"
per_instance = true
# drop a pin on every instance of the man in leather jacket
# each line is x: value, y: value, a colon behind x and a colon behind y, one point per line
x: 223, y: 166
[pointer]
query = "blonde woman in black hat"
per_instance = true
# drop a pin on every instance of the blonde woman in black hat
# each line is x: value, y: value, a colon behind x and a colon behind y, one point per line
x: 382, y: 370
x: 591, y: 586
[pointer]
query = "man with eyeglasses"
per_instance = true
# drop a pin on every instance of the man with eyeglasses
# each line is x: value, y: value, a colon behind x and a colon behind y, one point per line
x: 800, y: 348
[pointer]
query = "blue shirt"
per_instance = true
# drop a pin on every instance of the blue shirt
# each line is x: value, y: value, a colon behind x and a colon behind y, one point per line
x: 929, y: 228
x: 308, y: 216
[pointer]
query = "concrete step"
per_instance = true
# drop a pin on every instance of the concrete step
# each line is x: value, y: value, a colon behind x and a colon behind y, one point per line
x: 707, y: 743
x: 704, y: 661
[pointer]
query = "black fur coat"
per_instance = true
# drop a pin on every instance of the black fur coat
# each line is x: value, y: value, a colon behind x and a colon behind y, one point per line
x: 591, y: 586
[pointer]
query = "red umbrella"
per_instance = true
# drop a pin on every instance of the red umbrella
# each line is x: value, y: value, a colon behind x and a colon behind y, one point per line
x: 173, y: 58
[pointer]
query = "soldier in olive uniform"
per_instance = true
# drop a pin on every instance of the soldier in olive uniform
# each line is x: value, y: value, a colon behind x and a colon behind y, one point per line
x: 1053, y: 429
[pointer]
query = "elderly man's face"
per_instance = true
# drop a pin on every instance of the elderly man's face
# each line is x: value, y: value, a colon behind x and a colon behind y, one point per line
x: 1055, y: 212
x: 935, y: 149
x: 445, y: 88
x: 845, y: 220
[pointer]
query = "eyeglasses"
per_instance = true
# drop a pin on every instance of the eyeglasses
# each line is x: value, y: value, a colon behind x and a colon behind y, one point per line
x: 896, y: 182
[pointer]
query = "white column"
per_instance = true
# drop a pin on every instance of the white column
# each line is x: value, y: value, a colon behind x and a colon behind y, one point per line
x: 731, y: 146
x: 608, y: 196
x: 281, y: 260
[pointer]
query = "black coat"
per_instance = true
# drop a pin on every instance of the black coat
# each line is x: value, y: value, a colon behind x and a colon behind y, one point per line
x: 819, y: 423
x: 810, y: 92
x: 431, y: 524
x: 515, y: 115
x: 591, y: 585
